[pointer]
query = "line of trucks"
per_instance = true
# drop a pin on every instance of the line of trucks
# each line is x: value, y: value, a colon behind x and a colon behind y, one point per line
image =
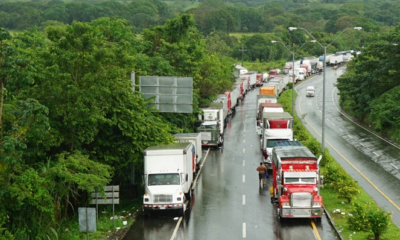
x: 296, y: 177
x: 310, y: 65
x: 169, y: 170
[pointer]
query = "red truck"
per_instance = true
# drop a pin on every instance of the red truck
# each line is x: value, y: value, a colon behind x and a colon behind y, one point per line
x: 273, y: 73
x: 296, y: 181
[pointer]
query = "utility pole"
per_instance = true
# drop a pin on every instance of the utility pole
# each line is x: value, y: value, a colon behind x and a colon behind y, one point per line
x: 242, y: 50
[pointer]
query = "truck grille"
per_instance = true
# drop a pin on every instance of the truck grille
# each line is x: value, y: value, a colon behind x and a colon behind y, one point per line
x: 301, y: 199
x: 161, y: 198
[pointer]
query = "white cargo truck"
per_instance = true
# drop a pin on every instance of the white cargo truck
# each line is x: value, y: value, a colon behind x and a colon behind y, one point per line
x: 168, y: 177
x: 195, y: 139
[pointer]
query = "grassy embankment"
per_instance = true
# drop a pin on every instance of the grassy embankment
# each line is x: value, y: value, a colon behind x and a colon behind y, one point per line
x: 331, y: 199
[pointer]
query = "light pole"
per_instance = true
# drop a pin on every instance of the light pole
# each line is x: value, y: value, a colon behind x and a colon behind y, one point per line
x: 293, y: 53
x: 324, y: 77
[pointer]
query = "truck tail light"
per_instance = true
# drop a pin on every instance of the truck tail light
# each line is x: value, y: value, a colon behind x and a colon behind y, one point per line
x: 285, y: 204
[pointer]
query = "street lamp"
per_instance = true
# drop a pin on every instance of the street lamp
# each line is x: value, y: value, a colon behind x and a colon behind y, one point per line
x: 324, y: 76
x: 293, y: 53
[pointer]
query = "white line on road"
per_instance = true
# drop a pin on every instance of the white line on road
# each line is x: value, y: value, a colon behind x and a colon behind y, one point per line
x: 362, y: 144
x: 244, y: 163
x: 333, y: 124
x: 244, y: 178
x: 340, y: 129
x: 244, y: 150
x: 244, y: 230
x: 244, y: 199
x: 176, y: 229
x: 375, y: 154
x: 244, y: 140
x: 393, y: 165
x: 350, y: 136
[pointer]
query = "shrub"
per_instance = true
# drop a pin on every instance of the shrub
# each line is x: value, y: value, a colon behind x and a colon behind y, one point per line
x: 366, y: 218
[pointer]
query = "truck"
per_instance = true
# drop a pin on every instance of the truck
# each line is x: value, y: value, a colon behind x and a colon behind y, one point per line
x: 265, y: 98
x: 195, y: 139
x: 264, y: 108
x: 296, y: 181
x: 271, y: 88
x: 336, y: 60
x: 272, y: 73
x: 307, y: 68
x: 282, y: 83
x: 276, y: 127
x: 212, y: 124
x: 251, y: 78
x: 300, y: 73
x: 320, y: 66
x: 168, y: 177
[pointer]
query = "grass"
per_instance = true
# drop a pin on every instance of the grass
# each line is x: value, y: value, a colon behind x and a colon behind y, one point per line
x: 332, y: 202
x: 125, y: 211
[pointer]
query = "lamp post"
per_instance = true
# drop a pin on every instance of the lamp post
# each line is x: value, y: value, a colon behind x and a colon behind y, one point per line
x: 324, y: 76
x: 293, y: 53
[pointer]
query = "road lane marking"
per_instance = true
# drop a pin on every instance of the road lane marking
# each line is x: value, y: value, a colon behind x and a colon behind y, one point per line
x: 244, y: 178
x: 243, y: 163
x: 340, y: 129
x: 393, y: 165
x: 315, y: 230
x: 362, y: 144
x: 333, y: 124
x: 375, y: 153
x: 244, y: 150
x: 350, y: 136
x: 176, y: 229
x: 244, y: 140
x: 244, y: 230
x: 244, y: 199
x: 351, y: 164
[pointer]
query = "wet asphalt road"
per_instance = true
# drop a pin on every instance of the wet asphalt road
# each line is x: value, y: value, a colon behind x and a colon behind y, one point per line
x: 372, y: 161
x: 228, y: 202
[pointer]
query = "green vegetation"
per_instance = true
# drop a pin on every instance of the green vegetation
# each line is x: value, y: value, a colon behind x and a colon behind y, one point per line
x: 377, y: 67
x: 69, y: 121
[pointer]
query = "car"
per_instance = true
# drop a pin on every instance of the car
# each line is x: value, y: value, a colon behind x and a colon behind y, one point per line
x: 310, y: 92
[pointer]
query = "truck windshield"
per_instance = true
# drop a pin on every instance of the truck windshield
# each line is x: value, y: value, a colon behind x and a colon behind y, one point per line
x: 273, y: 142
x: 300, y: 180
x: 208, y: 127
x: 163, y: 179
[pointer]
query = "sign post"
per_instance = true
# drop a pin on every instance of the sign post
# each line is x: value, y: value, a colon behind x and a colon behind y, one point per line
x: 111, y: 196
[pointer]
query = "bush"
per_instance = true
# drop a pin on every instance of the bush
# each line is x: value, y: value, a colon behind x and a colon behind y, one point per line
x: 366, y: 218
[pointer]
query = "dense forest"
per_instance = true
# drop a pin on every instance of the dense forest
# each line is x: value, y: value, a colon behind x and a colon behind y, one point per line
x: 69, y: 121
